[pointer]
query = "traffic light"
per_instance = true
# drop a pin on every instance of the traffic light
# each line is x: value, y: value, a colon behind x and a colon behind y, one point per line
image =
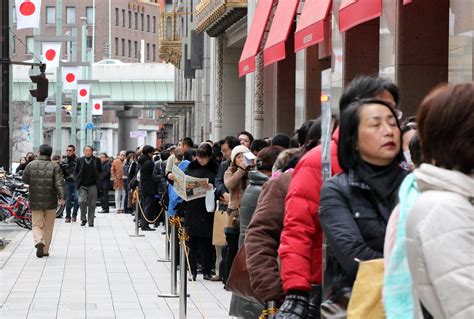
x: 41, y: 92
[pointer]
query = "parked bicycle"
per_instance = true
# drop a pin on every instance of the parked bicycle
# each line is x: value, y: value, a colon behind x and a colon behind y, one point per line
x: 14, y: 205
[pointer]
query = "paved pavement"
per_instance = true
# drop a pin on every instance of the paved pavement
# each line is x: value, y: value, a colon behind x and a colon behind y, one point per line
x: 98, y: 272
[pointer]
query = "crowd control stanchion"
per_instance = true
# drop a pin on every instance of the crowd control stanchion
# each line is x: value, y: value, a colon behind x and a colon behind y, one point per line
x: 167, y: 242
x: 174, y: 274
x: 137, y: 214
x: 183, y: 280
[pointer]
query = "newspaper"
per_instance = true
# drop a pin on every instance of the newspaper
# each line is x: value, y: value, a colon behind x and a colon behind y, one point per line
x: 188, y: 187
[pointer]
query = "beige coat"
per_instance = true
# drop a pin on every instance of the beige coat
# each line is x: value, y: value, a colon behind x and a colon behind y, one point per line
x: 440, y: 242
x: 117, y: 174
x: 236, y: 181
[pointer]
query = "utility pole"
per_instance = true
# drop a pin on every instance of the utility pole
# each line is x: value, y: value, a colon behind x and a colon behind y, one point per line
x: 59, y: 86
x: 4, y: 85
x: 73, y: 139
x: 83, y: 105
x: 37, y: 123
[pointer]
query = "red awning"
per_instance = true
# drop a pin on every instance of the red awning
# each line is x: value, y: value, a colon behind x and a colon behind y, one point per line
x: 254, y: 37
x: 355, y: 12
x: 275, y: 45
x: 407, y: 2
x: 310, y: 29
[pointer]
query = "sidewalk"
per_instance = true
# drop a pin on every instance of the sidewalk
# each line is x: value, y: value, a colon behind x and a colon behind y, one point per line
x: 99, y: 272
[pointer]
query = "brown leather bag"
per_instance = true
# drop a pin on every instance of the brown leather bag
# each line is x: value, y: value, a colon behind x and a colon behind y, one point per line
x: 239, y: 279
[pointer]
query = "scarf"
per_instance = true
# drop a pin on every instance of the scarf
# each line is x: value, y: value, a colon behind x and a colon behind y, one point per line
x: 384, y: 181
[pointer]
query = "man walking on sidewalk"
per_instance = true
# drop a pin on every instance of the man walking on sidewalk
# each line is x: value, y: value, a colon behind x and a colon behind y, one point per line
x: 69, y: 165
x: 46, y: 182
x: 104, y: 196
x: 88, y: 182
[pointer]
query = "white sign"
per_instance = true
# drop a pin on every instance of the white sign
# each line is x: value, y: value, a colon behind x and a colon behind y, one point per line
x: 137, y: 134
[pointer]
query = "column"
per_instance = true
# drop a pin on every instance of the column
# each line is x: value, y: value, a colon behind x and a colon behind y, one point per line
x: 127, y: 122
x: 258, y: 105
x: 251, y: 86
x: 220, y: 85
x: 312, y: 83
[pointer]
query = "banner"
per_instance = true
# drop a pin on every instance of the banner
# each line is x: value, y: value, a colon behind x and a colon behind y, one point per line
x: 83, y: 93
x: 188, y: 187
x: 97, y: 107
x: 51, y: 54
x: 27, y: 13
x: 70, y: 77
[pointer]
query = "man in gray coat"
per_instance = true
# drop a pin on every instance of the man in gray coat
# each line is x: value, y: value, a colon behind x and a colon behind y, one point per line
x: 46, y: 181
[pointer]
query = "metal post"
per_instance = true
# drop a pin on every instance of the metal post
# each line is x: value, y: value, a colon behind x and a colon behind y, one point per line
x: 183, y: 280
x: 137, y: 213
x: 167, y: 242
x: 73, y: 139
x: 59, y: 87
x: 89, y: 109
x: 36, y: 106
x: 174, y: 274
x: 83, y: 105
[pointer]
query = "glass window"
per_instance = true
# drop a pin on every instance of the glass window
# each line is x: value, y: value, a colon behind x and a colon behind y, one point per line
x: 154, y: 24
x: 29, y: 45
x: 123, y: 47
x: 135, y: 43
x: 123, y: 18
x: 148, y: 51
x: 129, y: 19
x: 151, y: 114
x: 89, y: 42
x: 169, y: 29
x: 90, y: 15
x: 50, y: 15
x: 136, y: 21
x: 142, y: 16
x: 116, y: 46
x: 129, y: 48
x: 70, y: 15
x: 147, y: 23
x: 116, y: 17
x: 154, y: 52
x: 14, y: 15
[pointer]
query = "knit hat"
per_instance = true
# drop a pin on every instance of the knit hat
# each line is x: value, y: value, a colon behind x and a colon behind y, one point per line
x: 237, y: 150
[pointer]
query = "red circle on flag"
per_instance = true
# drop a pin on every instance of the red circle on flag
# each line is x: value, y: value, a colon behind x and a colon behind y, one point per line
x: 97, y: 106
x: 50, y: 55
x: 70, y: 77
x: 83, y: 92
x: 27, y: 8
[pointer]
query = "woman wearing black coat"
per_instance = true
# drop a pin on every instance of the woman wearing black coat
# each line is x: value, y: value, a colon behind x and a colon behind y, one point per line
x: 356, y: 204
x: 197, y: 221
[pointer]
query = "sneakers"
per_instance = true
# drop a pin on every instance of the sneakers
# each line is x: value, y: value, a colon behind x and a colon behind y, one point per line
x: 39, y: 250
x: 68, y: 219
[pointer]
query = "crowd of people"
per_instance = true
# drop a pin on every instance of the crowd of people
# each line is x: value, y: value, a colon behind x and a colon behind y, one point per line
x: 401, y: 193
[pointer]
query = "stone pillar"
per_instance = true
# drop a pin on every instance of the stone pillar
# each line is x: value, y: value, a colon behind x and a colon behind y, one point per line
x: 312, y: 83
x: 127, y: 122
x: 259, y: 108
x: 422, y: 50
x: 250, y: 84
x: 220, y: 85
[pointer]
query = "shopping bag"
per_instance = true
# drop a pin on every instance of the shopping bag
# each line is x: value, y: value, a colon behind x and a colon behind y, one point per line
x: 218, y: 236
x: 366, y: 298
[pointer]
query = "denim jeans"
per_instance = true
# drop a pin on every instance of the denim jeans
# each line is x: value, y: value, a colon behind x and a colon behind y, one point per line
x: 71, y: 192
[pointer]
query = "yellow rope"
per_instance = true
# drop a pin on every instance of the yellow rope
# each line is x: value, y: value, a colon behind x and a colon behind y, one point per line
x: 135, y: 198
x: 267, y: 312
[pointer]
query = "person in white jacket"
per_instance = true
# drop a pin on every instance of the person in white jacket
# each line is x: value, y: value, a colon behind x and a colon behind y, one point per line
x: 440, y: 227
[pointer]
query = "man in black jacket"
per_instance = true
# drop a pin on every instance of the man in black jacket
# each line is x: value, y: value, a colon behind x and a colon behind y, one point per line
x: 148, y: 187
x: 68, y: 166
x: 105, y: 182
x: 88, y: 181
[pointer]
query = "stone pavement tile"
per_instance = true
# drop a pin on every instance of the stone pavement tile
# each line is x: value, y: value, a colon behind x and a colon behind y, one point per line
x: 14, y: 314
x: 71, y: 314
x: 96, y: 314
x: 42, y: 314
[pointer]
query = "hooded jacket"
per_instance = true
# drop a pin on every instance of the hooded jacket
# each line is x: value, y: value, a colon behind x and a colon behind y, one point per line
x: 440, y: 237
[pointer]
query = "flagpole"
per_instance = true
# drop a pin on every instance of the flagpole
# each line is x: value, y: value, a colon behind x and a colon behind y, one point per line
x: 59, y: 90
x: 37, y: 125
x: 73, y: 139
x: 84, y: 69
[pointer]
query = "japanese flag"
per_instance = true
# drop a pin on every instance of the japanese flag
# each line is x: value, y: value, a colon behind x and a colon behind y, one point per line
x: 97, y: 107
x: 83, y: 93
x: 51, y: 54
x: 70, y: 76
x: 27, y: 13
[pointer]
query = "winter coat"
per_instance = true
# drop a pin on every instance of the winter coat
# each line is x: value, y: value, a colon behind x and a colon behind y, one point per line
x: 220, y: 187
x: 69, y: 165
x: 79, y: 171
x: 117, y: 173
x: 148, y: 186
x: 263, y: 239
x: 106, y: 166
x: 46, y: 182
x: 440, y: 237
x: 197, y: 220
x: 236, y: 181
x: 249, y: 201
x: 302, y: 238
x: 354, y: 223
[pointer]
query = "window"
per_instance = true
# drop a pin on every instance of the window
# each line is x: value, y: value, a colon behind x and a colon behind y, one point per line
x: 70, y: 15
x: 89, y: 42
x: 129, y: 19
x: 123, y: 47
x: 136, y: 21
x: 116, y: 17
x: 116, y: 46
x: 148, y: 51
x: 14, y: 15
x: 147, y: 23
x: 142, y: 22
x: 154, y: 24
x: 151, y: 114
x: 90, y: 15
x: 123, y: 18
x: 135, y: 43
x: 29, y: 45
x: 50, y: 15
x: 153, y: 52
x: 129, y: 48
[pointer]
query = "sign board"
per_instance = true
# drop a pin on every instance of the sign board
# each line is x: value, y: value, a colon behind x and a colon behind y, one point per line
x: 137, y: 134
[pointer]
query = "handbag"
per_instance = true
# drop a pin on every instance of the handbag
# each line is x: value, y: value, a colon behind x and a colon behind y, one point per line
x: 218, y: 235
x: 366, y: 300
x: 239, y: 278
